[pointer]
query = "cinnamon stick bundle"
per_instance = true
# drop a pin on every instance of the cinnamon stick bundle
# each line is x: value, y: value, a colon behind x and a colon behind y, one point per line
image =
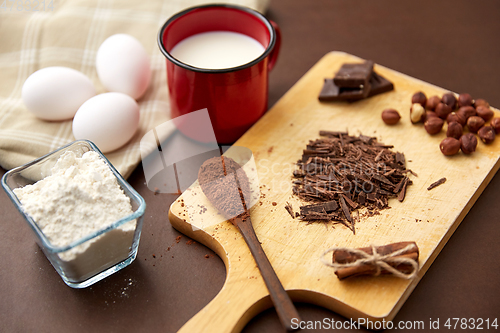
x: 344, y: 256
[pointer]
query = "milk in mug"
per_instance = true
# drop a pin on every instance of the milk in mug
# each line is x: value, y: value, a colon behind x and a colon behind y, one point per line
x: 217, y: 50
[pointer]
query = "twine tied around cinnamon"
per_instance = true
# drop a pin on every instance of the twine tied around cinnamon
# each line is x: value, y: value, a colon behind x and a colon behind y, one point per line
x: 380, y: 262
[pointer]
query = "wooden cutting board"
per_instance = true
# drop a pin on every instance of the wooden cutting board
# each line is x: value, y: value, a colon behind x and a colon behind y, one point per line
x: 294, y: 247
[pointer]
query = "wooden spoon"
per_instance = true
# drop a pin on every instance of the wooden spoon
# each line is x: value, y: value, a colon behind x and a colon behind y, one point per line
x: 227, y: 187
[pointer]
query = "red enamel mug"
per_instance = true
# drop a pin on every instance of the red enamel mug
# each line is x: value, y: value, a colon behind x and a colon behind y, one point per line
x: 234, y: 97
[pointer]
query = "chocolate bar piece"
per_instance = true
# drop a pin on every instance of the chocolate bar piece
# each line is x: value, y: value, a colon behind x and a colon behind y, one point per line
x: 354, y: 75
x: 379, y: 85
x: 332, y: 92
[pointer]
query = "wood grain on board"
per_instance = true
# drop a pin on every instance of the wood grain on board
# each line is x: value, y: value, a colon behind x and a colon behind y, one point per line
x: 293, y: 247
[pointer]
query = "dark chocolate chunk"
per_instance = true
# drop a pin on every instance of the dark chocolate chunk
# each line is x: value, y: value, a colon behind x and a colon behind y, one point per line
x: 354, y: 75
x: 331, y: 206
x: 330, y: 92
x: 379, y: 85
x: 304, y: 210
x: 323, y: 207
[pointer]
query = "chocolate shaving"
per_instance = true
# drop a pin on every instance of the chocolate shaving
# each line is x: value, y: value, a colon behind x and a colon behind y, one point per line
x: 345, y: 209
x: 400, y: 158
x: 436, y: 183
x: 362, y: 198
x: 412, y: 172
x: 349, y: 201
x: 313, y: 216
x: 382, y: 178
x: 332, y: 134
x: 339, y: 173
x: 398, y: 187
x: 402, y: 193
x: 289, y: 209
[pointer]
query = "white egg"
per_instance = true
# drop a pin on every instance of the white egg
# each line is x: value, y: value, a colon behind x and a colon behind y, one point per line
x: 56, y: 93
x: 123, y: 65
x: 109, y: 120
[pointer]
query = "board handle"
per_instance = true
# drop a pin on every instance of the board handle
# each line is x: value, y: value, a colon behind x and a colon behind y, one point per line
x: 227, y: 312
x: 282, y: 302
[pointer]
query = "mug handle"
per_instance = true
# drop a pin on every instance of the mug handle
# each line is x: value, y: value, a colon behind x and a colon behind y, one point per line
x: 273, y: 56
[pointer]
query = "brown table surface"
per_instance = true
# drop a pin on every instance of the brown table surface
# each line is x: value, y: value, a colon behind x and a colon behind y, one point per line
x: 452, y: 44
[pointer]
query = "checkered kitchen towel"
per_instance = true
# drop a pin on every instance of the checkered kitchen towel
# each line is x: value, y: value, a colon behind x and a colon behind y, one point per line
x: 68, y: 33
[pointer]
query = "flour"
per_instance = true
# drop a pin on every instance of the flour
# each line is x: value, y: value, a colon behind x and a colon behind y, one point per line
x: 80, y: 197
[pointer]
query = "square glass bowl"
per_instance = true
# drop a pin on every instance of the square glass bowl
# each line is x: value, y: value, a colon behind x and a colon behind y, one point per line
x: 107, y: 250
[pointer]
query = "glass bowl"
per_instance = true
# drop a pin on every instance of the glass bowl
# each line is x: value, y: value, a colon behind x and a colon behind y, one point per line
x: 107, y: 250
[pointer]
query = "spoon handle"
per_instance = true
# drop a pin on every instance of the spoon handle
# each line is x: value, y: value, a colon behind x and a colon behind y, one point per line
x: 282, y: 302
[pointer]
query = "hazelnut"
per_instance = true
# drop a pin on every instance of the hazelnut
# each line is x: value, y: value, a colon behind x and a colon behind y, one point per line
x: 495, y: 123
x: 468, y: 143
x: 420, y: 98
x: 450, y: 100
x: 464, y: 100
x: 454, y: 130
x: 467, y: 111
x: 390, y: 116
x: 474, y: 123
x: 443, y: 110
x: 481, y: 102
x: 449, y: 146
x: 430, y: 114
x: 484, y: 112
x: 417, y: 113
x: 458, y: 117
x: 433, y: 125
x: 486, y: 134
x: 432, y: 102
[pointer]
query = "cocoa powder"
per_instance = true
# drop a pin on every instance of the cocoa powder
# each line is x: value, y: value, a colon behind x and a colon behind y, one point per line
x: 224, y: 185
